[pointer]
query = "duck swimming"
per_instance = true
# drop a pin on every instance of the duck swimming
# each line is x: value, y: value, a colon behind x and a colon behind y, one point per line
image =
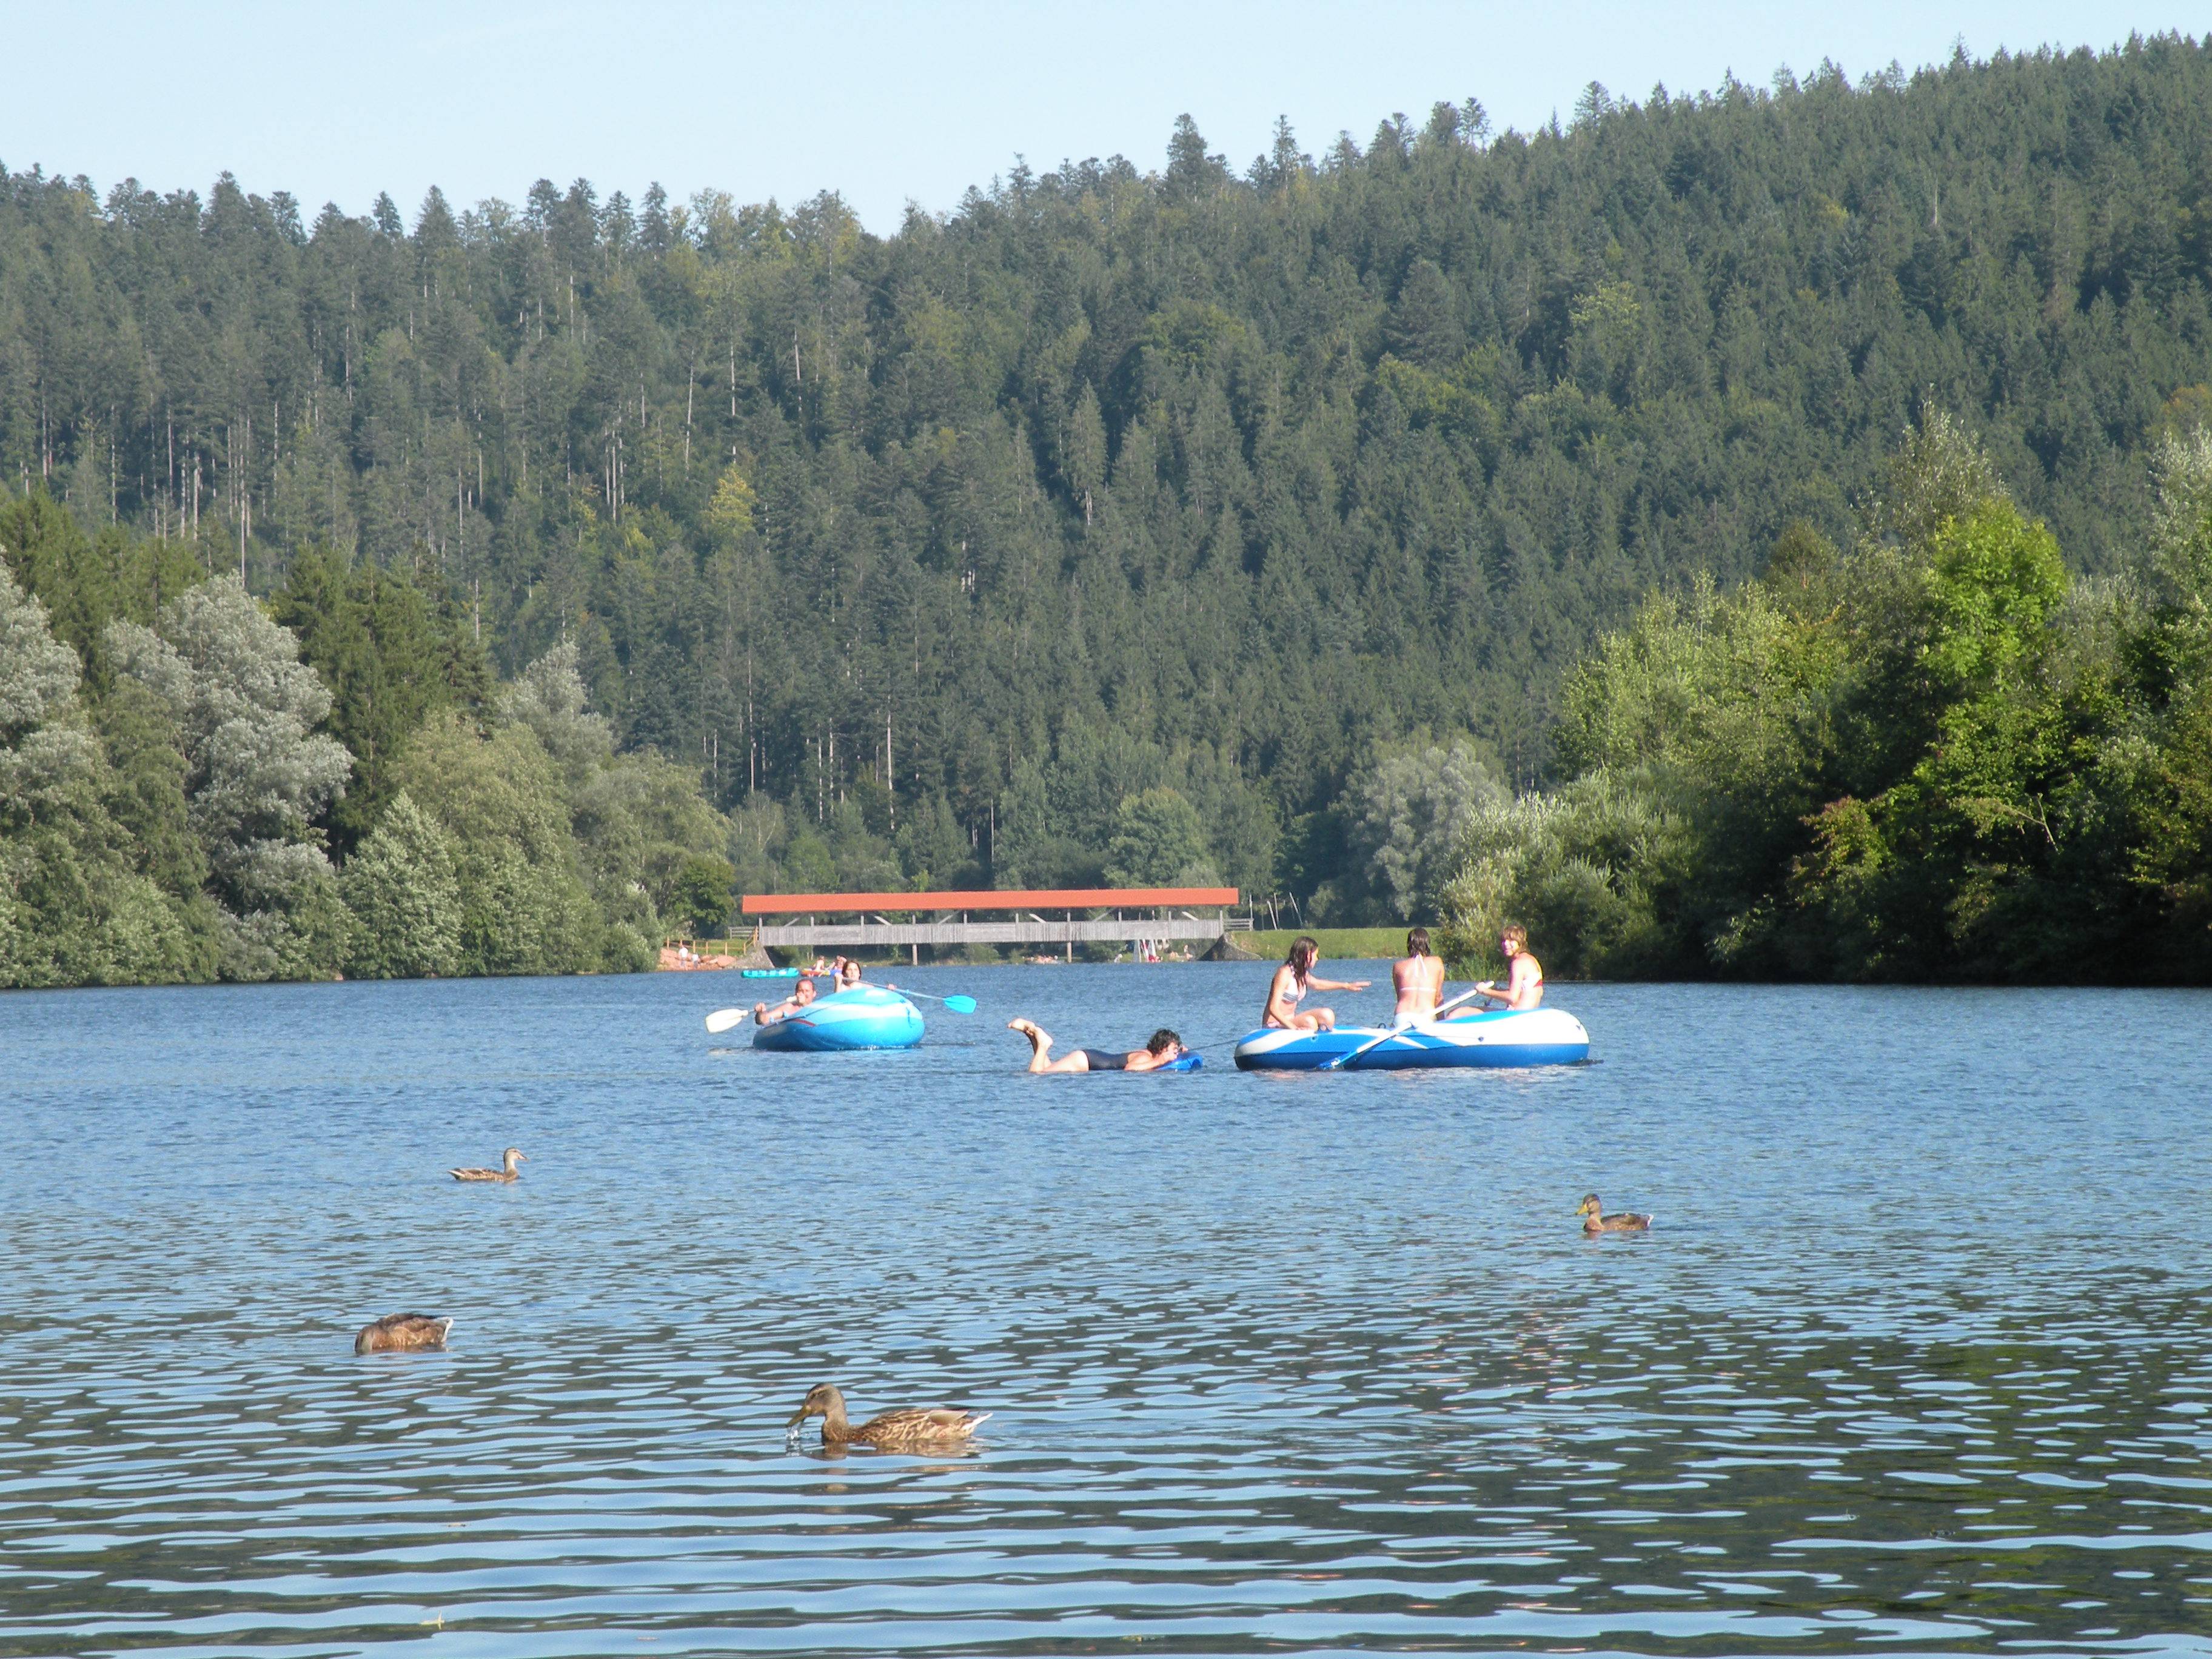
x: 1595, y: 1221
x: 408, y: 1333
x: 909, y: 1428
x: 506, y: 1171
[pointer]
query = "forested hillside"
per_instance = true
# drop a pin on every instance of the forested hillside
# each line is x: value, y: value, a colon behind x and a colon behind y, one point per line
x: 1244, y: 520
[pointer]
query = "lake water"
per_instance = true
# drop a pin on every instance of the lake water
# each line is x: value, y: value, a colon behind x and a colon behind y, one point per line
x: 1917, y: 1359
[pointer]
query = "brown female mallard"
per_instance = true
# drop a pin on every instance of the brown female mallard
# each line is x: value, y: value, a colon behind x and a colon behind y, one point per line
x: 402, y: 1333
x: 506, y: 1171
x: 1595, y: 1220
x: 908, y: 1429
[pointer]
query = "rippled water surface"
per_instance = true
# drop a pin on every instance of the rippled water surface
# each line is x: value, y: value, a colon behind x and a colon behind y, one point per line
x: 1917, y: 1359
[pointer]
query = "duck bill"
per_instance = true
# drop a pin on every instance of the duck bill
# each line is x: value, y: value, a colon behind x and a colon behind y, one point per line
x: 798, y: 1417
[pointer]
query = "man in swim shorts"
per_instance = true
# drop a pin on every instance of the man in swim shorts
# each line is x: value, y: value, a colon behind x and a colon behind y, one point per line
x: 1524, y: 987
x: 1164, y: 1046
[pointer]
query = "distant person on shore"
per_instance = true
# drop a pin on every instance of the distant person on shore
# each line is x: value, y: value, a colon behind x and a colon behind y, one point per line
x: 1419, y: 980
x: 1164, y: 1047
x: 1292, y: 981
x: 801, y: 994
x: 1524, y: 986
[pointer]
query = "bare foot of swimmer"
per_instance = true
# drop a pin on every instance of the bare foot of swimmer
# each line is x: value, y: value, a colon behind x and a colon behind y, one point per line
x: 1040, y: 1041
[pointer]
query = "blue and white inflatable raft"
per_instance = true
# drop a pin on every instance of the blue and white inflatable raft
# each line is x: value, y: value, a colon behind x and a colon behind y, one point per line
x: 865, y: 1016
x: 1540, y: 1036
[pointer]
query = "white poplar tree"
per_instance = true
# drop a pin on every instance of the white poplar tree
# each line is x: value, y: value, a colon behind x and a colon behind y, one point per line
x: 257, y: 773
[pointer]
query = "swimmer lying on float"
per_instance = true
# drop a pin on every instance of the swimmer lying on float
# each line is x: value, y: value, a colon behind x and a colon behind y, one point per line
x: 1161, y: 1053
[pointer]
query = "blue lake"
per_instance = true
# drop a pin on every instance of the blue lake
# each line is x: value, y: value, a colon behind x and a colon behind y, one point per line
x: 1916, y: 1359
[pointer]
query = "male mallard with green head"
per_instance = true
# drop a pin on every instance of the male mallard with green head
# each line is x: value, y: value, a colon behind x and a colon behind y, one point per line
x: 908, y: 1429
x: 1595, y: 1221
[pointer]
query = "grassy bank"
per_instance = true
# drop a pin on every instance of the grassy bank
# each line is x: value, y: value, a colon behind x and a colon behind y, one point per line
x: 1346, y: 944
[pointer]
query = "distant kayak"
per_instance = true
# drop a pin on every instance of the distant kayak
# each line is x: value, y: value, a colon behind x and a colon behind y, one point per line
x: 769, y: 973
x: 865, y: 1016
x: 1539, y: 1036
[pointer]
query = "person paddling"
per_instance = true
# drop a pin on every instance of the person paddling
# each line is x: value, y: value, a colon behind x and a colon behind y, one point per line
x: 1524, y: 986
x: 1164, y: 1047
x: 801, y: 994
x: 1419, y: 980
x: 1290, y: 985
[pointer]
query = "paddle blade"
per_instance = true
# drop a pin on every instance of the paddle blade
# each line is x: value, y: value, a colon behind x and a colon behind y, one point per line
x: 959, y: 1004
x: 722, y: 1018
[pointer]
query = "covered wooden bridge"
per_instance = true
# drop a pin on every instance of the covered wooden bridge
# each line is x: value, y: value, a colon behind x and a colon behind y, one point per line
x: 1063, y: 916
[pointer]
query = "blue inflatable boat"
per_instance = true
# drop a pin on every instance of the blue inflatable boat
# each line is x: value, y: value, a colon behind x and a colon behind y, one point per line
x: 1540, y: 1036
x: 865, y: 1017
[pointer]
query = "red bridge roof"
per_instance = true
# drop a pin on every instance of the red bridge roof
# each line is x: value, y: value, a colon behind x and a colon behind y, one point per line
x: 1068, y: 898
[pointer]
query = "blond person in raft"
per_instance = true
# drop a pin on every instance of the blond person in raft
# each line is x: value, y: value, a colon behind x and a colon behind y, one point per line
x: 1292, y: 981
x: 1524, y: 986
x: 1164, y: 1046
x: 1419, y: 980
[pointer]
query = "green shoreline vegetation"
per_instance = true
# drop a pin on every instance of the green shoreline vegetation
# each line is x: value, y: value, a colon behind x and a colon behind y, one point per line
x: 1758, y: 533
x: 1932, y: 756
x: 1337, y: 944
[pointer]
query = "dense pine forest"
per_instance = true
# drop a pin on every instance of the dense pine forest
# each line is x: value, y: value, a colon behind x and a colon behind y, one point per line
x: 497, y: 592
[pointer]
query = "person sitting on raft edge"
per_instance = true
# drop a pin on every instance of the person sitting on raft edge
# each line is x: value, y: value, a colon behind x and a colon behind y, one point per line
x: 1163, y: 1047
x: 801, y: 994
x: 1290, y: 985
x: 1419, y: 980
x: 1524, y: 986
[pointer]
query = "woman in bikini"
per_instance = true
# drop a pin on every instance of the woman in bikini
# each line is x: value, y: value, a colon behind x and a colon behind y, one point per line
x: 1418, y: 980
x: 1524, y: 984
x: 1290, y: 985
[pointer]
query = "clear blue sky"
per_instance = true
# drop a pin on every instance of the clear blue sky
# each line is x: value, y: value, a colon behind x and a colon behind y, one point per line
x: 886, y: 104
